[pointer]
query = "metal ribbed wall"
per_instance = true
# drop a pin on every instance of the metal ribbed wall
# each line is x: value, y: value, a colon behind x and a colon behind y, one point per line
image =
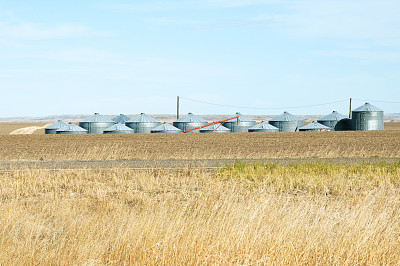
x: 142, y: 123
x: 96, y: 124
x: 119, y: 129
x: 367, y: 117
x: 286, y: 122
x: 216, y: 128
x: 71, y: 129
x: 52, y: 129
x: 263, y: 127
x: 165, y: 128
x: 189, y: 122
x: 242, y: 124
x: 334, y: 121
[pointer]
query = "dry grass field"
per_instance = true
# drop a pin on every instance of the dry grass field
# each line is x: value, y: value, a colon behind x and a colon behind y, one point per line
x: 244, y: 213
x: 313, y: 213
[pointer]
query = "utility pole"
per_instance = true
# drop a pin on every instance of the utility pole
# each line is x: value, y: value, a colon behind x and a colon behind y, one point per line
x: 177, y: 107
x: 350, y: 109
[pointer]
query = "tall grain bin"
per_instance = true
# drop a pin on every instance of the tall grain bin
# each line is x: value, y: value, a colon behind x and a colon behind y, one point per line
x: 286, y: 122
x: 336, y: 121
x: 142, y: 123
x: 118, y: 129
x: 71, y: 129
x: 53, y: 127
x: 216, y: 128
x: 314, y: 126
x: 96, y: 124
x: 367, y: 117
x: 263, y: 127
x: 189, y: 122
x: 242, y: 124
x: 121, y: 119
x: 166, y: 128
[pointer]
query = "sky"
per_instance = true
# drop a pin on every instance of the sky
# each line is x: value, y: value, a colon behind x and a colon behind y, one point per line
x: 219, y: 56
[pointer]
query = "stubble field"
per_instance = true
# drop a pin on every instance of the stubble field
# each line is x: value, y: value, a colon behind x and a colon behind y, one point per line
x: 241, y: 213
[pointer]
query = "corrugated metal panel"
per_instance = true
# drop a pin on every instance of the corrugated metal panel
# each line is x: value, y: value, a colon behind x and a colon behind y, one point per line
x: 71, y: 129
x: 367, y: 107
x: 142, y: 123
x: 53, y: 127
x: 334, y: 121
x: 242, y: 126
x: 263, y: 127
x: 165, y: 128
x: 189, y: 122
x: 314, y: 126
x: 119, y: 129
x: 367, y: 117
x: 217, y: 127
x: 121, y: 119
x: 286, y: 122
x: 96, y: 124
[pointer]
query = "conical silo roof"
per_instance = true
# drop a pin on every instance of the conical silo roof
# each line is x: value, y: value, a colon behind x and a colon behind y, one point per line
x: 191, y: 118
x: 165, y: 127
x: 367, y: 107
x: 334, y: 116
x: 57, y: 125
x: 121, y: 119
x: 119, y: 127
x: 71, y: 128
x: 314, y: 126
x: 97, y: 118
x: 216, y: 127
x: 286, y: 116
x: 264, y: 125
x: 242, y: 118
x: 143, y: 118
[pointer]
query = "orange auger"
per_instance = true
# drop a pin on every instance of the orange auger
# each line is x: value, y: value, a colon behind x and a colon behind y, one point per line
x: 213, y: 123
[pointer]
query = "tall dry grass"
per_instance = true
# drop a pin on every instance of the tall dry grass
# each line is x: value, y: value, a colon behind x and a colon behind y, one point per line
x: 243, y: 214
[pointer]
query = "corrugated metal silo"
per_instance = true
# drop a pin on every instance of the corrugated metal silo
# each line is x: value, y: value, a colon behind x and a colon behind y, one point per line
x: 314, y: 126
x: 166, y: 128
x: 334, y: 121
x: 53, y: 127
x: 242, y: 124
x: 189, y: 122
x: 71, y: 129
x: 96, y: 124
x: 121, y: 119
x: 142, y: 123
x: 216, y: 128
x: 367, y: 117
x: 286, y: 122
x: 263, y: 127
x: 118, y: 129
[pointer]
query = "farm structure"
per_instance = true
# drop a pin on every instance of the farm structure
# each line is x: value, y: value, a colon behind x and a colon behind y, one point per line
x: 364, y: 118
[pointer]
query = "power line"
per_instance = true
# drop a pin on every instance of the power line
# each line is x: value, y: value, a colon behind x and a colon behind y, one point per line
x: 376, y: 101
x: 263, y: 108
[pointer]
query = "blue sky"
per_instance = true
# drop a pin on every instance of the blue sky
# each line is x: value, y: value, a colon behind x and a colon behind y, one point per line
x: 81, y: 57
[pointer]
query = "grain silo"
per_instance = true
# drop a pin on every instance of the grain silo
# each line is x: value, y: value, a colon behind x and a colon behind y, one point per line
x: 315, y: 126
x: 53, y: 127
x: 71, y: 128
x: 121, y: 119
x: 336, y: 121
x: 263, y: 127
x: 189, y: 122
x: 367, y: 117
x: 118, y: 129
x: 241, y: 124
x: 287, y: 122
x: 142, y: 123
x: 216, y: 128
x: 166, y: 128
x: 96, y: 124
